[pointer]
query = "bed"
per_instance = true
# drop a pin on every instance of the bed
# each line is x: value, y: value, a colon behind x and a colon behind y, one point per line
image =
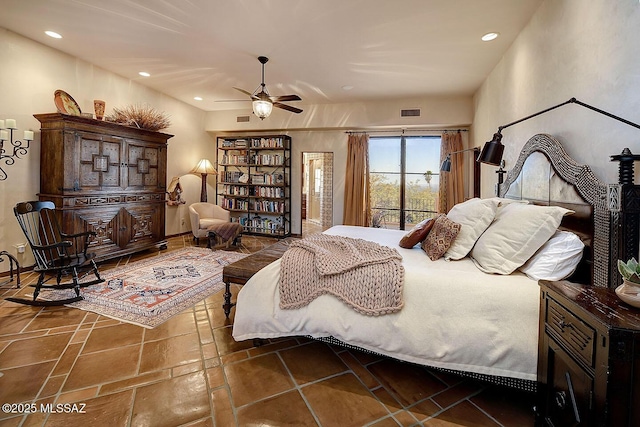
x: 455, y: 317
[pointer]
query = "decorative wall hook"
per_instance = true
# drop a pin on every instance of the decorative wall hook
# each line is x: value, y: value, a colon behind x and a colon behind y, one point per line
x: 17, y: 147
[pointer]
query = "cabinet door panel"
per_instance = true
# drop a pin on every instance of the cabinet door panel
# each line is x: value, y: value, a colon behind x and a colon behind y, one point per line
x: 100, y: 159
x: 104, y: 221
x: 143, y: 163
x: 569, y: 390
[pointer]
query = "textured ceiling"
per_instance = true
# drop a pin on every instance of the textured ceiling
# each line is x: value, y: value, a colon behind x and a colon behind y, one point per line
x: 383, y: 49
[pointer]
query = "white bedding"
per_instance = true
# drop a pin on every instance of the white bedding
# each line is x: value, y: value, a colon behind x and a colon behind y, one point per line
x: 454, y: 317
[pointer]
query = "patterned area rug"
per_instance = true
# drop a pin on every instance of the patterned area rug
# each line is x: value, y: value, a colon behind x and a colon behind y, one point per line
x: 150, y: 291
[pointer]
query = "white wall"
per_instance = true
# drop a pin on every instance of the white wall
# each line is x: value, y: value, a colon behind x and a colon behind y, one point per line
x: 587, y: 49
x: 29, y: 75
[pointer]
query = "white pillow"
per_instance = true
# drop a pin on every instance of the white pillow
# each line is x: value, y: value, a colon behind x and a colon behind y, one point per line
x: 557, y: 259
x: 517, y: 232
x: 474, y: 215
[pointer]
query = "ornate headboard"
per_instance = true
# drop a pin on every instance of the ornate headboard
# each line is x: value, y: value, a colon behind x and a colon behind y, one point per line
x: 545, y: 174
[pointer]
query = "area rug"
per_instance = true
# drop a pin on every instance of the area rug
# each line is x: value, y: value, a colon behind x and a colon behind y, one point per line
x: 150, y: 291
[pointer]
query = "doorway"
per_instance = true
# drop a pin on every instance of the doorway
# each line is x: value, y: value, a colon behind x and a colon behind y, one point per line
x: 317, y: 192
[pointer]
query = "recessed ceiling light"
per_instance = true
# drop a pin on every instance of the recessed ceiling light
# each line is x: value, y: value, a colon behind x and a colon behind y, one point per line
x: 347, y: 87
x: 490, y: 36
x: 144, y: 74
x: 53, y: 34
x: 197, y: 98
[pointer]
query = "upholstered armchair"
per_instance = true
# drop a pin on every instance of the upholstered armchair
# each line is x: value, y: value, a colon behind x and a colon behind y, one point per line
x: 203, y: 215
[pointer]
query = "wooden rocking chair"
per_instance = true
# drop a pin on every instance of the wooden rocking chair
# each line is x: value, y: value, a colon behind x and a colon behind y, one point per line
x: 56, y: 254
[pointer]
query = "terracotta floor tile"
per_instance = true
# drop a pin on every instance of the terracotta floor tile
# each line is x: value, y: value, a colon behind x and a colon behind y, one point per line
x: 215, y: 377
x: 12, y: 324
x: 103, y: 367
x: 226, y: 344
x: 311, y: 362
x: 458, y: 392
x: 512, y: 408
x: 136, y: 381
x: 173, y: 402
x: 221, y: 408
x: 56, y: 317
x: 52, y: 387
x: 463, y: 414
x: 386, y: 422
x: 257, y: 378
x: 68, y: 359
x: 408, y: 383
x: 343, y: 401
x: 111, y: 410
x: 170, y: 352
x: 78, y: 395
x: 113, y: 336
x: 18, y: 385
x: 180, y: 324
x: 286, y: 409
x: 361, y: 372
x: 34, y: 350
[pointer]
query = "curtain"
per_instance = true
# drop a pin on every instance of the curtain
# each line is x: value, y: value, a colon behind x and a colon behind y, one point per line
x: 451, y: 189
x: 356, y: 186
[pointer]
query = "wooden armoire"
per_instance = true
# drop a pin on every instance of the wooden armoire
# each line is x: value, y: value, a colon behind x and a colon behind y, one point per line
x: 106, y: 178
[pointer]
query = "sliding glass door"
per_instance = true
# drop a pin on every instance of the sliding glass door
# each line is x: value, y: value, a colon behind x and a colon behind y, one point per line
x: 404, y: 176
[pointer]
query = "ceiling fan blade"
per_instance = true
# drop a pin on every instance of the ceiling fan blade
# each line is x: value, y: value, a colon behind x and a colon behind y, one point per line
x: 287, y: 107
x: 282, y: 98
x: 232, y: 100
x: 245, y: 92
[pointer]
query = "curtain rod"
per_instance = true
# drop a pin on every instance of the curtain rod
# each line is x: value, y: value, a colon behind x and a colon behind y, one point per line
x: 407, y: 130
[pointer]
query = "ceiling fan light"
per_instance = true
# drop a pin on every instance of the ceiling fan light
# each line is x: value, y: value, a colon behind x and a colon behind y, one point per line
x: 262, y: 108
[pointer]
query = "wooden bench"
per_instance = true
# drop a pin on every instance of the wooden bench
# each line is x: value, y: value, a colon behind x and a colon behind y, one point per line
x: 241, y: 271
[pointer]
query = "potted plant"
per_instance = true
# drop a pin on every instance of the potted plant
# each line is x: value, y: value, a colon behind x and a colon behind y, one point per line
x: 630, y: 271
x: 629, y: 291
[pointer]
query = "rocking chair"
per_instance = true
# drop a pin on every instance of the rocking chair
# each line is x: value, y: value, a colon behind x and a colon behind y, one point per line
x: 56, y: 254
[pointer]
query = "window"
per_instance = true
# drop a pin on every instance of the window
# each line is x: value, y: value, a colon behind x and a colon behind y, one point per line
x: 404, y: 177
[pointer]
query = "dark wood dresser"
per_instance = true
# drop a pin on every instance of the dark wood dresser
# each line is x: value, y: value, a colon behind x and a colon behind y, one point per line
x: 588, y: 358
x: 107, y: 178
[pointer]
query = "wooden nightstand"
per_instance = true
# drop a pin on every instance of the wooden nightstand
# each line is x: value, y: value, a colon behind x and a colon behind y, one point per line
x: 588, y: 357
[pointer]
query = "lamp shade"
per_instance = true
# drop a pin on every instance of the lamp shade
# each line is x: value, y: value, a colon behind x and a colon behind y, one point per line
x: 446, y: 164
x: 262, y: 108
x: 492, y: 151
x: 204, y: 166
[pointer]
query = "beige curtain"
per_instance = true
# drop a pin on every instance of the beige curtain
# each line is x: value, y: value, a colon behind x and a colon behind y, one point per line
x: 451, y: 183
x: 356, y: 186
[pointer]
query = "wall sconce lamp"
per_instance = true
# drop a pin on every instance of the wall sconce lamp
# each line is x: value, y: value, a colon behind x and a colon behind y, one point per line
x: 204, y: 168
x: 446, y: 164
x: 6, y: 134
x: 492, y: 150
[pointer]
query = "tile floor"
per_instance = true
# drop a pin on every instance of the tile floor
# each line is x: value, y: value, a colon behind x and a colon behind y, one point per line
x: 189, y: 371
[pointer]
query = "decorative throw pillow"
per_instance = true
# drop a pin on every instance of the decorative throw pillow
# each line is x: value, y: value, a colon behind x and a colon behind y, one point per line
x: 474, y: 216
x: 517, y: 232
x: 417, y: 234
x: 557, y: 259
x: 442, y: 234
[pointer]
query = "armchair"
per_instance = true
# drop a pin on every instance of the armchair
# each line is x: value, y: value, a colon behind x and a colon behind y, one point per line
x: 203, y: 215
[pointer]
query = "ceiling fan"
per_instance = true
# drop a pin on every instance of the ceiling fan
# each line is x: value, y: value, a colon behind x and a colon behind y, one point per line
x: 263, y: 103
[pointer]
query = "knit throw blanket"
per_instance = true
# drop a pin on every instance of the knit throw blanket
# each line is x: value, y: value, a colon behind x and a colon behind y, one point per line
x: 365, y: 275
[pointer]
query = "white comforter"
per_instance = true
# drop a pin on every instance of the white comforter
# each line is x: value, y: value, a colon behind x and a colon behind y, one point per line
x: 454, y: 317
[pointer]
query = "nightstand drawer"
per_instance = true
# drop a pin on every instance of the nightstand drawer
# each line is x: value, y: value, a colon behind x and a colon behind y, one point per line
x: 571, y: 332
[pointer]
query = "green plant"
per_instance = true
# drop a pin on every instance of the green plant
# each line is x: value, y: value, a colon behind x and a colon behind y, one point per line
x: 630, y: 270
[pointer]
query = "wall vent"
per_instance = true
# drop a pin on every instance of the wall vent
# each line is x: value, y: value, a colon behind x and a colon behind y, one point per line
x: 241, y: 119
x: 410, y: 113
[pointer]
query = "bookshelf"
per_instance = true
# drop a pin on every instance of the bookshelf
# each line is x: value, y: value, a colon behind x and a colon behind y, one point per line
x: 254, y: 175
